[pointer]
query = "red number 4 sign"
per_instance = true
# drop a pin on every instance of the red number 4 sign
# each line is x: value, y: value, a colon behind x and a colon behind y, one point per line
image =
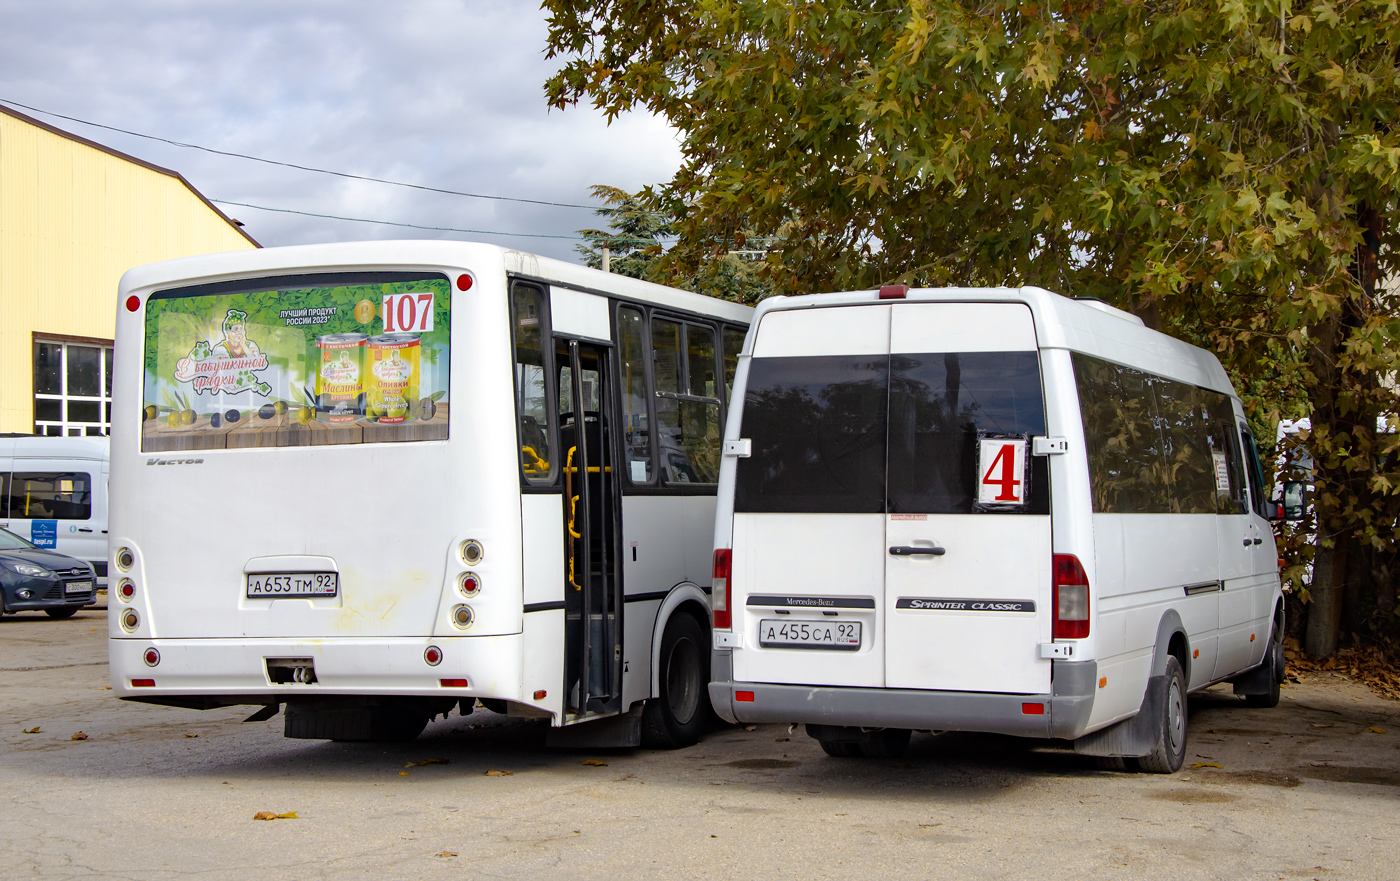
x: 1001, y: 464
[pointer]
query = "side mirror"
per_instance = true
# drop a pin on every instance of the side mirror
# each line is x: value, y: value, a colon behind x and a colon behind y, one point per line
x: 1295, y: 500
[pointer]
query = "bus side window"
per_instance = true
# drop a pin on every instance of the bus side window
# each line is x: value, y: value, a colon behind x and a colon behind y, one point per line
x: 636, y: 421
x: 733, y: 339
x: 531, y: 384
x: 687, y: 402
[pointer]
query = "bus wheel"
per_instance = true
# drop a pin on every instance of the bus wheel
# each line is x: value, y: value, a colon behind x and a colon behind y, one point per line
x: 1170, y: 749
x: 673, y: 719
x: 60, y: 614
x: 887, y: 743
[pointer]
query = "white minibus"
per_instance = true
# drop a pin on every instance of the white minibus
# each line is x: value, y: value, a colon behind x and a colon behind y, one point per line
x: 996, y: 510
x: 370, y: 482
x: 53, y: 492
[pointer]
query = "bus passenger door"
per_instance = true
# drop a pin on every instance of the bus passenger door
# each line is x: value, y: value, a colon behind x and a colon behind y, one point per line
x: 592, y: 516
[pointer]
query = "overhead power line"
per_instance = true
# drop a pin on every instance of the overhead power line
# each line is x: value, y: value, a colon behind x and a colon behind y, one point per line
x: 478, y: 232
x: 377, y: 180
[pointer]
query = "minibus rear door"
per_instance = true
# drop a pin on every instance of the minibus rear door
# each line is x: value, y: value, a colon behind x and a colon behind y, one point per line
x: 968, y: 541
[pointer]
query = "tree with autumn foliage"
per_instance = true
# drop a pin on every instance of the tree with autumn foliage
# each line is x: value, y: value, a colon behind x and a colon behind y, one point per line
x: 1226, y: 170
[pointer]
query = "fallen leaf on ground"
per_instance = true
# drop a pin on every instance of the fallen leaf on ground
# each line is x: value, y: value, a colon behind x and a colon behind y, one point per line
x: 79, y: 736
x: 426, y: 762
x: 403, y: 773
x: 599, y: 763
x: 1377, y: 730
x: 34, y: 730
x: 106, y: 688
x: 191, y: 735
x: 269, y: 815
x: 93, y: 630
x: 1322, y: 724
x: 1205, y: 765
x: 494, y: 773
x: 747, y: 728
x: 781, y: 739
x: 448, y: 853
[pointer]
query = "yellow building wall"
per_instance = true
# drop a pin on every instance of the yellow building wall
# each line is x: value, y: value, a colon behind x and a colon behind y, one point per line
x: 73, y: 218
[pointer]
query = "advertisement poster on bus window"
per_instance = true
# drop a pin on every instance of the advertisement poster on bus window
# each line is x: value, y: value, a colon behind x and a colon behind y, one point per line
x: 297, y: 366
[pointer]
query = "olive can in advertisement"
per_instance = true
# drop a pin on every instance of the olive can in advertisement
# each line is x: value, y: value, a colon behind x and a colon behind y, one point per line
x: 391, y: 382
x: 340, y: 378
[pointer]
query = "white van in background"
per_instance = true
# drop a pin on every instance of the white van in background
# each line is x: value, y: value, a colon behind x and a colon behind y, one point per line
x: 53, y: 492
x: 994, y: 510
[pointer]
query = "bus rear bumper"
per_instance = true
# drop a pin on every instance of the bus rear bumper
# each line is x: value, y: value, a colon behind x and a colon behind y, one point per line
x: 230, y: 672
x: 1061, y: 714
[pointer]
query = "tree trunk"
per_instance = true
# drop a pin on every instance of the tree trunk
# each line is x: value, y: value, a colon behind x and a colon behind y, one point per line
x: 1325, y: 610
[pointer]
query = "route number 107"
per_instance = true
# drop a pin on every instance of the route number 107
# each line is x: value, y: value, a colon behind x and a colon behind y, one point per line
x: 411, y: 312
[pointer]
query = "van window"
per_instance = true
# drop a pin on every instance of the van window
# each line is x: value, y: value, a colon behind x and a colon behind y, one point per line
x: 938, y: 404
x: 38, y: 495
x: 4, y: 495
x: 817, y: 427
x: 1184, y: 410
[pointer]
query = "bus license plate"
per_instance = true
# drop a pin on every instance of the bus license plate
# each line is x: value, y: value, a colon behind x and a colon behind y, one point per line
x: 293, y: 584
x: 800, y: 634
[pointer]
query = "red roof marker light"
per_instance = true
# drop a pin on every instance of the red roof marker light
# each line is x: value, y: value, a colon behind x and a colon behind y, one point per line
x: 894, y: 291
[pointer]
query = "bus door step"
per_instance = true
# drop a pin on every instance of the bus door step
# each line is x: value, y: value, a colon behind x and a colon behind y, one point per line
x: 614, y: 731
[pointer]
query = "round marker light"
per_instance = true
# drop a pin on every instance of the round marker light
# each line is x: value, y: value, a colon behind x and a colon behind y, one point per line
x: 151, y: 657
x: 464, y: 282
x: 126, y: 589
x: 125, y: 559
x: 133, y: 303
x: 469, y: 584
x: 472, y: 552
x: 433, y: 656
x: 462, y: 616
x: 130, y: 620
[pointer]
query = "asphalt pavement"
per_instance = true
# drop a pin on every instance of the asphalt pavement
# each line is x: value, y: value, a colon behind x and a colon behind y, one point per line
x: 1310, y: 789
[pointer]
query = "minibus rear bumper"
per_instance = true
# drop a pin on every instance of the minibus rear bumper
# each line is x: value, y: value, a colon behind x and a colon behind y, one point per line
x: 1062, y: 714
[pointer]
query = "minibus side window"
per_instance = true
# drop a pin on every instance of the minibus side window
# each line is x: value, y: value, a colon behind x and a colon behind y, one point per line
x: 4, y: 495
x: 938, y: 404
x: 1186, y: 445
x: 1123, y: 437
x: 817, y: 432
x: 1256, y: 473
x: 531, y: 385
x: 51, y: 495
x: 1225, y: 441
x: 632, y: 353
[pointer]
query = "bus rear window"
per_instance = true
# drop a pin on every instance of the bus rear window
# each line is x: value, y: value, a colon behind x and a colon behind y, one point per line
x: 339, y: 358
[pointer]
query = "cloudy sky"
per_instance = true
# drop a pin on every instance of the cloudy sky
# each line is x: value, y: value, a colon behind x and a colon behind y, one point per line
x: 442, y: 93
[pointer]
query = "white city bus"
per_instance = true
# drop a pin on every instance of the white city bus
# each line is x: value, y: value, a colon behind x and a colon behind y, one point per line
x: 370, y: 482
x: 994, y: 510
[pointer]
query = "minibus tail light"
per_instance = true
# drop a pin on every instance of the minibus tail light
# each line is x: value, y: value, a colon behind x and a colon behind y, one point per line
x: 719, y: 590
x: 1071, y: 599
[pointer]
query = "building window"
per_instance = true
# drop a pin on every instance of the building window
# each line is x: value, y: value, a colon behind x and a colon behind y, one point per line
x: 72, y: 388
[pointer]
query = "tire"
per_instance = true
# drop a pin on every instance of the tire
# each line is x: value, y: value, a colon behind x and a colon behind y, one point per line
x: 60, y: 614
x: 1170, y: 749
x: 1111, y: 763
x: 1277, y: 662
x: 674, y: 718
x: 888, y: 743
x: 840, y: 749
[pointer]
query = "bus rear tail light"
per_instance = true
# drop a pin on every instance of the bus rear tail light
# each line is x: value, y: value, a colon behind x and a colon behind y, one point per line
x: 143, y: 683
x: 130, y: 620
x: 453, y: 683
x: 151, y: 657
x: 719, y: 590
x: 1071, y: 599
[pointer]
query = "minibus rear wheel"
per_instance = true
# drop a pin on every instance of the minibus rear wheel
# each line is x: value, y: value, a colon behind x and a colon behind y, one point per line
x: 1170, y: 749
x: 674, y: 717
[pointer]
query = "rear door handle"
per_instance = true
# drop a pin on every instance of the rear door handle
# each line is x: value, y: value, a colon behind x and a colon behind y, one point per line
x: 1247, y: 542
x: 909, y: 551
x: 1259, y: 541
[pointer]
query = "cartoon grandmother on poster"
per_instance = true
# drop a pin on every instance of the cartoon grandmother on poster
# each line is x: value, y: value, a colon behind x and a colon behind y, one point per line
x: 236, y: 344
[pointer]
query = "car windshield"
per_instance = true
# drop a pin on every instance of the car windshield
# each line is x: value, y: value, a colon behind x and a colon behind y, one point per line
x: 11, y: 542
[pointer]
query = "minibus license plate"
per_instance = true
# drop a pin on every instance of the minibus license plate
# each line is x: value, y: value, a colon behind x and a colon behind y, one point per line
x: 77, y: 587
x: 294, y: 584
x: 800, y: 634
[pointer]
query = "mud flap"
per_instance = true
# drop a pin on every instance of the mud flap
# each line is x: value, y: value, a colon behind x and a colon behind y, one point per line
x: 1133, y: 737
x: 1262, y: 679
x: 615, y: 731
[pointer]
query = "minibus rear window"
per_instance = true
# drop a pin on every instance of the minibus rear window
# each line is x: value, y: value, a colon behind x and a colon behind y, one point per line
x: 817, y: 427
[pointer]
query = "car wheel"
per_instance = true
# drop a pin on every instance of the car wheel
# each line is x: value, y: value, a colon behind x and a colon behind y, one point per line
x: 1170, y: 749
x: 887, y: 743
x: 673, y: 718
x: 60, y: 614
